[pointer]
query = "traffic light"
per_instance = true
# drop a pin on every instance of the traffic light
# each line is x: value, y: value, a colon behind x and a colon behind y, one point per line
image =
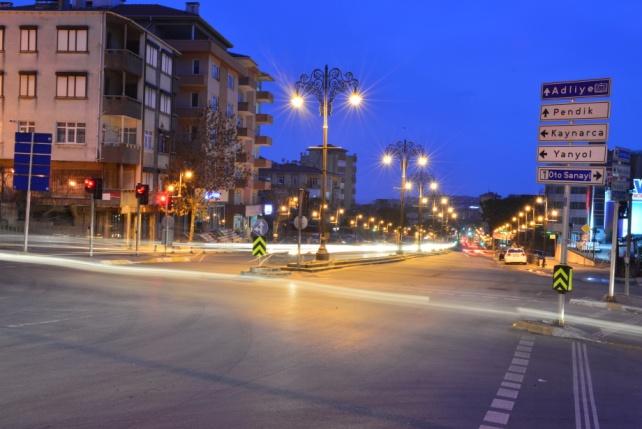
x: 142, y: 194
x: 94, y: 186
x: 623, y: 208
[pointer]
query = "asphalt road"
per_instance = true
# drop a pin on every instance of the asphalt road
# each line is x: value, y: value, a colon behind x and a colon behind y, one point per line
x: 426, y: 343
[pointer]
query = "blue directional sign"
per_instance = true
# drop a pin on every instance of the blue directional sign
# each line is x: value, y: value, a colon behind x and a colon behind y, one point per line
x: 39, y: 159
x: 571, y: 175
x: 577, y: 89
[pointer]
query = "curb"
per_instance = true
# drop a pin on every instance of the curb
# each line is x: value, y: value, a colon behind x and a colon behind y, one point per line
x: 335, y: 265
x: 157, y: 260
x: 606, y: 305
x: 550, y: 330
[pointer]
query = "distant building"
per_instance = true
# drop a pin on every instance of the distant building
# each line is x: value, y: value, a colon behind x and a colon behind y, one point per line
x: 342, y: 187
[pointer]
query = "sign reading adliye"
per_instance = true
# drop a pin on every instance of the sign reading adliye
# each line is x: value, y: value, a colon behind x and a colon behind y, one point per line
x: 591, y: 153
x: 577, y: 89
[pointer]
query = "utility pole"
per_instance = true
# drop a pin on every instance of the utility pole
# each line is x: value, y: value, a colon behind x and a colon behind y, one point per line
x: 614, y: 252
x: 627, y: 254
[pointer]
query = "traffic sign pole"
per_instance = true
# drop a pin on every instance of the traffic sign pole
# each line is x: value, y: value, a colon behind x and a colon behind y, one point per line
x: 298, y: 241
x: 91, y: 226
x: 138, y: 224
x: 627, y: 254
x: 28, y: 208
x: 614, y: 252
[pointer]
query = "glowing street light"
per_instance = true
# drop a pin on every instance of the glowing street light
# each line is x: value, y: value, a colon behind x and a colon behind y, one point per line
x: 297, y: 101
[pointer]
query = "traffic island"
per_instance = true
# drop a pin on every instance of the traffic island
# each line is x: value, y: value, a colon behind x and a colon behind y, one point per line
x: 551, y: 329
x: 333, y: 264
x: 630, y: 304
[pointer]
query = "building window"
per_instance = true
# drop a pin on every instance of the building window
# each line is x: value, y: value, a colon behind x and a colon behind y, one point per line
x: 150, y: 97
x: 230, y: 110
x: 578, y: 205
x: 214, y: 102
x: 71, y: 85
x: 194, y: 99
x: 129, y: 136
x: 1, y: 84
x: 27, y: 84
x: 72, y: 39
x: 163, y: 143
x: 216, y: 72
x: 314, y: 181
x: 148, y: 141
x: 165, y: 104
x: 28, y: 39
x: 26, y: 127
x: 1, y: 38
x: 70, y: 132
x: 280, y: 180
x: 196, y: 66
x: 152, y: 55
x: 166, y: 63
x: 230, y: 81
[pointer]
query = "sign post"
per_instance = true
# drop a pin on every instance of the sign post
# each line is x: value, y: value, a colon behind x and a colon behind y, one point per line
x: 614, y: 252
x: 32, y: 167
x: 91, y: 226
x: 259, y: 231
x: 298, y: 239
x: 562, y: 283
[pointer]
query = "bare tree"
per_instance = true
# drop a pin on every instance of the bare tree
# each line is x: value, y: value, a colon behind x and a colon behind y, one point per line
x: 216, y: 157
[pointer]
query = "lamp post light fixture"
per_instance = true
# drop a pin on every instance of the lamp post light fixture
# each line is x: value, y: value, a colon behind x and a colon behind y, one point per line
x: 324, y: 85
x: 404, y: 151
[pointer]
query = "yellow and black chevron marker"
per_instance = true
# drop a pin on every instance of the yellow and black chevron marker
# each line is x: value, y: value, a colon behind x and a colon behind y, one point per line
x: 259, y: 248
x: 562, y: 278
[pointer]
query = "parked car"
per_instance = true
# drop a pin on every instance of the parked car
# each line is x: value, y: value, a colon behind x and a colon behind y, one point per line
x: 515, y: 255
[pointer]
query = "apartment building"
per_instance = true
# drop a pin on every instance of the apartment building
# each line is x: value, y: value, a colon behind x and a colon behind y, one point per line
x: 210, y: 75
x: 342, y: 186
x: 103, y: 86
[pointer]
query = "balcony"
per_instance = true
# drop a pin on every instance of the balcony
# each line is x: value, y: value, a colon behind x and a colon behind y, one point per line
x: 263, y: 119
x: 123, y: 60
x: 244, y: 133
x: 264, y: 97
x: 263, y: 141
x: 262, y: 163
x: 120, y: 153
x: 189, y: 112
x: 260, y: 185
x: 192, y: 80
x: 246, y: 82
x: 122, y: 105
x: 245, y: 108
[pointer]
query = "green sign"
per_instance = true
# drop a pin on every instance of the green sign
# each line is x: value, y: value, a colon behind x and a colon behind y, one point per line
x: 562, y: 278
x: 259, y: 248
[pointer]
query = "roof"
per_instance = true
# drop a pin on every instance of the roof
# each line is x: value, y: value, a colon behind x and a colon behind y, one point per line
x: 330, y: 147
x: 152, y: 11
x: 290, y: 167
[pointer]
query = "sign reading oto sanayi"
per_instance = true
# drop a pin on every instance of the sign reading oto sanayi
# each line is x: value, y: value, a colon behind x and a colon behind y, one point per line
x: 576, y: 89
x: 567, y: 133
x: 592, y: 153
x: 571, y: 175
x: 572, y: 111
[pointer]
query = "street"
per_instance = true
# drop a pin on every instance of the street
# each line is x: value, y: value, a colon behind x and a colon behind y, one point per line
x: 425, y: 343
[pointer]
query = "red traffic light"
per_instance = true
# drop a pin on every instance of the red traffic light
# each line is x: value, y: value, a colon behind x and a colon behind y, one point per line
x: 162, y: 198
x: 90, y: 184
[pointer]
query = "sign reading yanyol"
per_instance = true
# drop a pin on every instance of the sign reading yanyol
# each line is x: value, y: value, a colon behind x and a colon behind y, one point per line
x: 571, y: 175
x: 573, y: 111
x: 592, y: 153
x: 567, y: 133
x: 576, y: 89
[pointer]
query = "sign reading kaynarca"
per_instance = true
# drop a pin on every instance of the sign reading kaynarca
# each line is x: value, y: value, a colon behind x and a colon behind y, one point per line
x: 576, y: 89
x: 574, y: 133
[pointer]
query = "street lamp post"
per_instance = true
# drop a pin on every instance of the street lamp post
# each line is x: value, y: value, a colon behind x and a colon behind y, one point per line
x: 404, y: 150
x: 325, y: 85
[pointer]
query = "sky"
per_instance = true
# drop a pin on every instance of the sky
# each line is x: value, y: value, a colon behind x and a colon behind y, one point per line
x: 462, y: 78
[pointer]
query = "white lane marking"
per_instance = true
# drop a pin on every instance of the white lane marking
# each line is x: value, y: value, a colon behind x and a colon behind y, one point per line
x: 576, y: 397
x: 496, y: 417
x: 583, y: 387
x: 514, y: 377
x: 526, y: 343
x: 526, y: 349
x: 44, y: 322
x: 589, y: 381
x: 511, y: 385
x: 517, y: 369
x: 502, y: 404
x: 523, y: 355
x: 507, y: 393
x: 488, y: 427
x: 518, y: 361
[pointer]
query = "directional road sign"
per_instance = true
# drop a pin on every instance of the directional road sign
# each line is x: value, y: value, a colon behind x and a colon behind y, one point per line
x: 562, y: 278
x: 259, y: 248
x: 587, y: 154
x: 572, y: 111
x: 300, y: 222
x: 260, y: 227
x: 576, y: 89
x: 574, y: 133
x: 39, y: 159
x: 571, y: 175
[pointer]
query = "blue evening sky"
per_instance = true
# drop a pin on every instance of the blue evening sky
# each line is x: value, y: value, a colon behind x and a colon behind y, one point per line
x: 460, y: 77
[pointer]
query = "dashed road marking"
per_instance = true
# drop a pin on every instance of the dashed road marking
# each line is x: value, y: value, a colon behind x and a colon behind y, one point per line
x: 507, y: 394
